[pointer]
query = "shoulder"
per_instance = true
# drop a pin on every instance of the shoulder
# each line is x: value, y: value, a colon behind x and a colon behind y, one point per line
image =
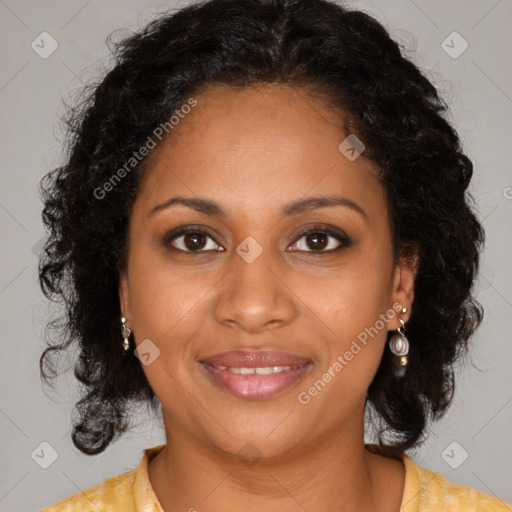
x: 116, y: 493
x: 439, y: 494
x: 428, y: 491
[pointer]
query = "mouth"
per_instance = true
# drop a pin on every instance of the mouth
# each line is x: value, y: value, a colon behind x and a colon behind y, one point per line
x: 255, y: 375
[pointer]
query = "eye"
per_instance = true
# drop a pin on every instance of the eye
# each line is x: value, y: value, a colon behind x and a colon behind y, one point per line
x: 318, y: 239
x: 191, y: 240
x: 196, y: 240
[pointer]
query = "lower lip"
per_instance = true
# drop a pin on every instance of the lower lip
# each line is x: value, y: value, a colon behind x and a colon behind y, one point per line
x: 255, y: 386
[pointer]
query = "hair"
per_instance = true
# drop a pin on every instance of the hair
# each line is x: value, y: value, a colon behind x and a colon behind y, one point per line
x: 316, y: 45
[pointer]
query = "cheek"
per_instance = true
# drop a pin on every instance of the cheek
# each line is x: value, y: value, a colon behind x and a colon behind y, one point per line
x: 347, y: 299
x: 351, y: 360
x: 166, y: 310
x: 161, y: 297
x: 353, y: 303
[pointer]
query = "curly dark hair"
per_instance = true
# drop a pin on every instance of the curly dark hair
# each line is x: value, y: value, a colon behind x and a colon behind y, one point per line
x: 329, y: 50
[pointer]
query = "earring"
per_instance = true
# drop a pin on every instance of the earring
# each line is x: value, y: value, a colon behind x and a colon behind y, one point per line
x: 399, y: 346
x: 125, y: 333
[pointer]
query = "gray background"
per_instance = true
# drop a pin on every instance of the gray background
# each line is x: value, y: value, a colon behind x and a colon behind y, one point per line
x: 476, y: 84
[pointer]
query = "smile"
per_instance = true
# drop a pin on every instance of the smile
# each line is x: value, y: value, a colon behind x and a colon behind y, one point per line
x: 255, y: 375
x: 260, y: 370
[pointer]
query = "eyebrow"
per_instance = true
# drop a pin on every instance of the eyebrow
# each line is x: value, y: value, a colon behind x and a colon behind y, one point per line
x: 209, y: 207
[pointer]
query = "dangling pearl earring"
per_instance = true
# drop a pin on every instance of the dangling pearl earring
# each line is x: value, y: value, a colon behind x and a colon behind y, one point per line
x: 125, y: 333
x: 399, y: 346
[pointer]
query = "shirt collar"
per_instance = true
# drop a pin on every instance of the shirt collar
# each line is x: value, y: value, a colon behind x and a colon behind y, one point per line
x: 412, y: 487
x: 143, y: 494
x: 146, y: 500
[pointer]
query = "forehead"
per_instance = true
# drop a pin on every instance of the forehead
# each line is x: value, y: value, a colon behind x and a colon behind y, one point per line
x: 261, y: 146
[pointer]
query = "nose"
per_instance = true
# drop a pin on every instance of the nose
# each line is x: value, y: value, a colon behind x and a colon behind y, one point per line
x: 254, y: 297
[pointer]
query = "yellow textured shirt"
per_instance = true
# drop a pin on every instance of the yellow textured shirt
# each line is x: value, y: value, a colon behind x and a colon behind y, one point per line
x: 424, y: 491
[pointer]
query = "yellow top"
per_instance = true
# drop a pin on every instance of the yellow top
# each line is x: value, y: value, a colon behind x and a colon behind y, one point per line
x: 424, y: 491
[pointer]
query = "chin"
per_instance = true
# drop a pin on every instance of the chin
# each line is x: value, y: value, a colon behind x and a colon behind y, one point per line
x: 260, y: 438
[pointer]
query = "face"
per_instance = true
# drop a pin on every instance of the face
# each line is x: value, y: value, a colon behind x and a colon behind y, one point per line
x: 259, y: 321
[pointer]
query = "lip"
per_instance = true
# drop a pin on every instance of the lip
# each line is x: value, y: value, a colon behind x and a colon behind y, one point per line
x: 255, y: 359
x: 254, y: 386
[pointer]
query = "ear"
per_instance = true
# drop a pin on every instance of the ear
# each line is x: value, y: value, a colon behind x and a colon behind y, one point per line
x: 403, y: 287
x: 124, y: 302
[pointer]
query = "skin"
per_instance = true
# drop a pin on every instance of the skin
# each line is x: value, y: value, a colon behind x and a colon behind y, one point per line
x: 252, y: 151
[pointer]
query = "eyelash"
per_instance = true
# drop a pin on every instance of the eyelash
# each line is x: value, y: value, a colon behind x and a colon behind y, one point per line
x: 342, y: 238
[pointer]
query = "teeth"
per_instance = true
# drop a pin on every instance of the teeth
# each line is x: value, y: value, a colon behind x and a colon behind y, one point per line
x: 267, y: 370
x: 264, y: 371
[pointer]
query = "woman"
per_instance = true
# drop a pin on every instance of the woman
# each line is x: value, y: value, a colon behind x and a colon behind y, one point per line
x: 263, y: 227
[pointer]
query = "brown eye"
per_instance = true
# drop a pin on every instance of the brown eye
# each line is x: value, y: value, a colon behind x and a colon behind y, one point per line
x: 317, y: 241
x: 194, y: 241
x: 321, y: 241
x: 191, y: 240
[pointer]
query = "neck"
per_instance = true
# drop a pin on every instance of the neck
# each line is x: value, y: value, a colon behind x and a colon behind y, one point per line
x: 333, y: 473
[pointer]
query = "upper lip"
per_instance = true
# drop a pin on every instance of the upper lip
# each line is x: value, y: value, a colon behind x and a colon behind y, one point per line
x: 255, y: 359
